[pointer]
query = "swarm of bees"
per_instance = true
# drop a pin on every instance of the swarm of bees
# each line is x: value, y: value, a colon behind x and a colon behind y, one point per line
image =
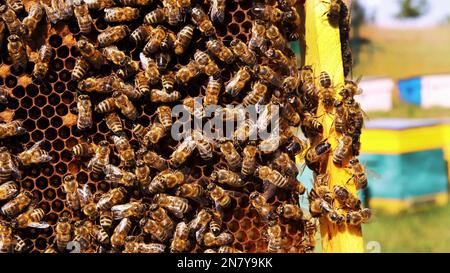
x: 146, y: 60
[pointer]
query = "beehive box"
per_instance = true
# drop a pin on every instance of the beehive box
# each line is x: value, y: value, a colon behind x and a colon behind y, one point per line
x: 406, y: 164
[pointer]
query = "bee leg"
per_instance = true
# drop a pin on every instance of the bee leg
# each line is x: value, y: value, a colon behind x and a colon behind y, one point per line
x: 269, y: 191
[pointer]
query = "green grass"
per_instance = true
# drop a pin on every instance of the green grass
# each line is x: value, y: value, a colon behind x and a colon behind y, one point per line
x: 423, y: 231
x: 402, y: 54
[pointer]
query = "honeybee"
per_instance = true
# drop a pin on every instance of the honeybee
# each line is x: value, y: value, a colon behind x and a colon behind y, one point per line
x: 84, y: 149
x: 291, y: 84
x: 63, y: 232
x: 319, y: 207
x: 205, y: 145
x: 180, y: 241
x: 113, y: 197
x: 259, y: 203
x: 126, y: 152
x: 81, y: 11
x: 350, y: 89
x: 283, y: 163
x: 311, y: 125
x: 87, y: 203
x: 134, y: 209
x: 238, y: 81
x: 140, y: 247
x: 315, y: 155
x: 241, y: 50
x: 290, y: 211
x: 183, y: 151
x: 114, y: 123
x: 112, y: 35
x: 275, y: 237
x: 267, y: 12
x: 13, y: 24
x: 17, y: 205
x: 113, y: 54
x: 127, y: 89
x: 277, y: 57
x: 100, y: 4
x: 84, y: 110
x: 358, y: 217
x: 276, y: 39
x: 249, y: 161
x: 12, y: 128
x: 141, y: 83
x: 157, y: 96
x: 82, y: 235
x: 157, y: 36
x: 101, y: 157
x: 156, y: 16
x: 183, y: 40
x: 162, y: 60
x: 268, y: 75
x: 80, y: 69
x: 211, y: 240
x: 4, y: 95
x: 258, y: 92
x: 322, y: 187
x: 295, y: 146
x: 184, y: 5
x: 93, y: 56
x: 70, y: 187
x: 8, y: 165
x: 102, y: 85
x: 187, y: 72
x: 258, y: 41
x: 155, y: 161
x: 34, y: 155
x: 346, y: 198
x: 120, y: 233
x: 157, y: 231
x: 178, y: 206
x: 8, y: 190
x: 7, y: 242
x: 215, y: 225
x: 334, y: 12
x: 218, y: 49
x: 41, y: 65
x: 230, y: 154
x: 117, y: 176
x: 342, y: 151
x: 212, y: 91
x: 16, y: 50
x: 273, y: 177
x: 124, y: 104
x: 141, y: 34
x: 340, y: 117
x: 191, y: 191
x: 200, y: 18
x: 160, y: 215
x: 171, y: 179
x: 173, y: 12
x: 156, y: 133
x: 31, y: 218
x: 106, y: 219
x: 326, y: 93
x: 228, y: 177
x: 358, y: 173
x: 211, y: 68
x: 221, y: 198
x: 35, y: 14
x: 121, y: 14
x: 142, y: 174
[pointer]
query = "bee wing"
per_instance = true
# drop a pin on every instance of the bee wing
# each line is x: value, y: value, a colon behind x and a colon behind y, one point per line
x: 112, y: 171
x: 38, y: 225
x: 119, y: 211
x: 85, y: 194
x: 15, y: 173
x: 45, y: 158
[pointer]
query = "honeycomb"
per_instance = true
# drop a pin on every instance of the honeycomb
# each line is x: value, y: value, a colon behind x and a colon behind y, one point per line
x: 46, y: 109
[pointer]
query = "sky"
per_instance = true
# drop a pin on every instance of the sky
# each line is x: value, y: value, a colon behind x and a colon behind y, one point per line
x: 385, y: 11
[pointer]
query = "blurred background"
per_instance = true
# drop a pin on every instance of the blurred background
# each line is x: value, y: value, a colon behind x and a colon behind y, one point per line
x: 401, y: 48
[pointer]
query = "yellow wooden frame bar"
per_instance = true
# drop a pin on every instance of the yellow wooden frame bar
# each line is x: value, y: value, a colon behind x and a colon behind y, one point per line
x: 323, y: 52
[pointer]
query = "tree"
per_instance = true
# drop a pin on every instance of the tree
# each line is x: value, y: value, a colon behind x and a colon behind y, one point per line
x: 412, y: 8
